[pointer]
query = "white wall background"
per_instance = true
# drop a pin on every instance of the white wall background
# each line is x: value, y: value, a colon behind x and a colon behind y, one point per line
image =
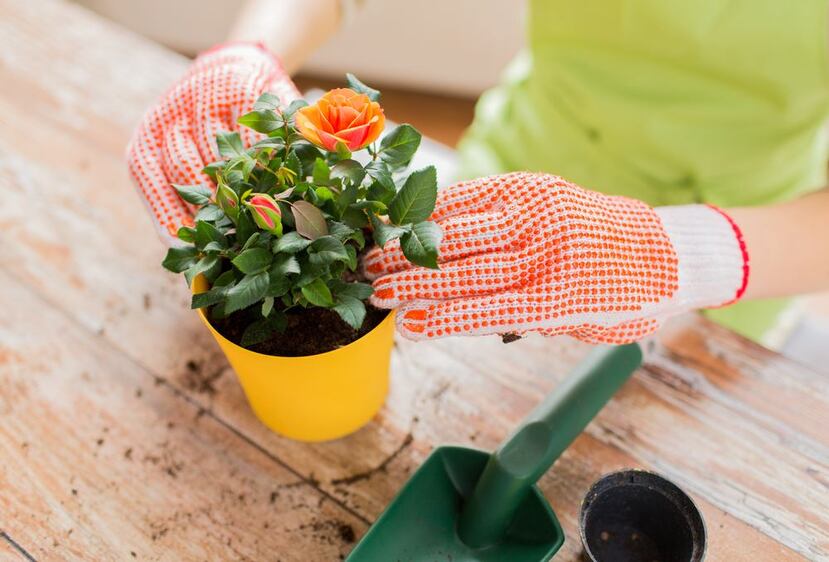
x: 450, y: 46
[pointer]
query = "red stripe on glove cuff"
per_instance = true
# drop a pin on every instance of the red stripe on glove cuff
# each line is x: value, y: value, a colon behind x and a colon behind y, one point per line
x: 738, y: 233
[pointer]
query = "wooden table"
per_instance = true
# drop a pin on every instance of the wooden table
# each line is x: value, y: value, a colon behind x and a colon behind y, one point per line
x: 124, y: 435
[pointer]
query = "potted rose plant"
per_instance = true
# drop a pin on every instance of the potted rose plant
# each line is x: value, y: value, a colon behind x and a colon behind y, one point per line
x: 273, y: 256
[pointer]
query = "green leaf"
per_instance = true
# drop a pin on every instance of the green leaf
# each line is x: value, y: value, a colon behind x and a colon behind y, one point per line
x: 278, y: 286
x: 323, y: 194
x: 343, y: 153
x: 186, y: 234
x: 416, y: 199
x: 209, y: 298
x: 270, y: 142
x: 250, y: 289
x: 293, y: 163
x: 206, y: 233
x: 291, y: 243
x: 377, y: 192
x: 349, y: 171
x: 321, y: 173
x: 379, y: 172
x: 340, y: 231
x: 357, y: 290
x: 351, y: 310
x: 230, y: 144
x: 383, y: 232
x: 360, y: 88
x: 283, y: 264
x: 195, y: 194
x: 261, y: 120
x: 375, y: 206
x: 348, y: 196
x: 248, y: 164
x: 263, y: 329
x: 245, y: 227
x: 327, y: 249
x: 203, y: 265
x: 225, y: 279
x: 398, y: 147
x: 253, y: 260
x: 310, y: 221
x: 209, y: 213
x: 352, y: 257
x: 318, y: 293
x: 253, y: 240
x: 267, y: 101
x: 420, y: 246
x: 307, y: 154
x: 213, y: 169
x: 355, y: 218
x: 294, y: 106
x: 308, y: 272
x: 267, y: 306
x: 180, y: 259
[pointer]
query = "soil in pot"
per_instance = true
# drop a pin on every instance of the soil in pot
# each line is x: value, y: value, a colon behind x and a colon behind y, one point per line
x: 309, y: 331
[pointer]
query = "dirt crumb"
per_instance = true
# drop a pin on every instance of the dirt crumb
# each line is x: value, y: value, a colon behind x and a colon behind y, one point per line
x: 346, y: 532
x: 197, y: 380
x: 509, y: 338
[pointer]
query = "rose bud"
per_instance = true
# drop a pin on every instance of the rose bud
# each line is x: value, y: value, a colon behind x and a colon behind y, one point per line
x: 228, y: 201
x: 341, y: 116
x: 266, y: 213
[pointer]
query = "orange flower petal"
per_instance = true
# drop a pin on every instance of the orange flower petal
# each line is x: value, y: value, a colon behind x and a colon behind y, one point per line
x: 341, y: 115
x: 329, y: 141
x: 354, y: 138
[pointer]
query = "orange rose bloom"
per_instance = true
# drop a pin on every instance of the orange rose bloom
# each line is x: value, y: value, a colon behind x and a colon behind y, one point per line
x: 341, y: 115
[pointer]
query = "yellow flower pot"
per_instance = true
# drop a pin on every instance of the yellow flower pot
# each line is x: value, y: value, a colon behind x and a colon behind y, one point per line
x: 317, y: 397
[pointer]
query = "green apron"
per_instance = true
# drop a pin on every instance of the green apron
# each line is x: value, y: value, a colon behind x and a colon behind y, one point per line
x: 668, y: 101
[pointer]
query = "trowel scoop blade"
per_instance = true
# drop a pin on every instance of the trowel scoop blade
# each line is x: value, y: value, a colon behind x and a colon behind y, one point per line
x: 419, y: 525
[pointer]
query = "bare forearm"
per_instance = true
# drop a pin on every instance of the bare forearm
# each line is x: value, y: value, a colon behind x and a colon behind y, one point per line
x: 788, y: 246
x: 292, y: 29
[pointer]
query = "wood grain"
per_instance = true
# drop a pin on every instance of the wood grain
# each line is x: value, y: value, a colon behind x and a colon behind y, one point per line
x: 740, y: 428
x: 103, y: 462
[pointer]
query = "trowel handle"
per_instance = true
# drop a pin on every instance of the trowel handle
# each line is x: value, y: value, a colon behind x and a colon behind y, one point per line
x: 540, y: 439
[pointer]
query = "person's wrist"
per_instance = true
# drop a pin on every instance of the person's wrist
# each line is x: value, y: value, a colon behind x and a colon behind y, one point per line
x: 713, y: 261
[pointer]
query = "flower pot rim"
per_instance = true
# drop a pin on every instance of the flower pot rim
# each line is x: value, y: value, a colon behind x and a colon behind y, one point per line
x: 199, y: 280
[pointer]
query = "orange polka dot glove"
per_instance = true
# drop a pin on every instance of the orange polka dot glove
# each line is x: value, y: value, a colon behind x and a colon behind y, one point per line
x: 534, y: 253
x: 177, y: 136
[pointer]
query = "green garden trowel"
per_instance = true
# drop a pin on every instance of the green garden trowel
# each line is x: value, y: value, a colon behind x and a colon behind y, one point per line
x: 467, y: 505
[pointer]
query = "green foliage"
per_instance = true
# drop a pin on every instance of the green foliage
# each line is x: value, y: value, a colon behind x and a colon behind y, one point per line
x: 355, y: 84
x: 320, y: 207
x: 398, y: 147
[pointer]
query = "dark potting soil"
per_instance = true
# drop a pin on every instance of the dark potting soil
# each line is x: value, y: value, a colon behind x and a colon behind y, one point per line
x: 309, y: 331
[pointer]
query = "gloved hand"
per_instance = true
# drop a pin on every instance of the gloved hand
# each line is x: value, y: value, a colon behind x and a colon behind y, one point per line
x: 177, y: 137
x: 527, y: 252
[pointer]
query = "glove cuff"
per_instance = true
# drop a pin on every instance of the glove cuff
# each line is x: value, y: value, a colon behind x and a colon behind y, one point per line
x: 713, y: 260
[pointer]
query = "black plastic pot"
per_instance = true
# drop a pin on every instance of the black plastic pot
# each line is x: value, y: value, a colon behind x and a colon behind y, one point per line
x: 638, y: 516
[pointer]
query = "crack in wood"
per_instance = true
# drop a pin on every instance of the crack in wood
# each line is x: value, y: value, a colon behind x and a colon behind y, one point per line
x: 379, y: 468
x: 15, y: 545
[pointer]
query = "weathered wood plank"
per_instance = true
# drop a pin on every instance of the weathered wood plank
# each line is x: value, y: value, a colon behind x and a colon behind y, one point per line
x: 751, y: 419
x: 102, y: 463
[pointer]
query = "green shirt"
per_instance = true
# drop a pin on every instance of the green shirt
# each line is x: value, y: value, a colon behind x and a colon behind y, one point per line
x: 668, y: 101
